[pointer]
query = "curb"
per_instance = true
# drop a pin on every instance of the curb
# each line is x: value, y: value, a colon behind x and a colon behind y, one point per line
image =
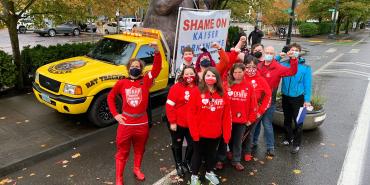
x: 60, y: 148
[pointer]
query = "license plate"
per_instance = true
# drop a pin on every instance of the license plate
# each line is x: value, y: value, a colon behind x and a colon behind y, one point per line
x: 45, y: 98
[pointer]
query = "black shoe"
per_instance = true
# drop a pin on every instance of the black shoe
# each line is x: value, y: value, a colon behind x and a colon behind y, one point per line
x: 180, y: 170
x: 270, y: 152
x: 254, y: 149
x: 186, y: 166
x: 295, y: 150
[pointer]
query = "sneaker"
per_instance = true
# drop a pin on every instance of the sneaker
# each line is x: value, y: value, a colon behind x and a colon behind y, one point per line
x: 212, y: 178
x: 238, y: 166
x: 195, y: 180
x: 270, y: 152
x: 219, y: 166
x: 295, y: 150
x: 248, y: 157
x: 285, y: 143
x: 229, y: 155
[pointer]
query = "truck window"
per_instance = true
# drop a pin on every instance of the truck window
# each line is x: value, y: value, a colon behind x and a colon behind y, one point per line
x: 134, y: 20
x: 146, y: 54
x: 113, y: 51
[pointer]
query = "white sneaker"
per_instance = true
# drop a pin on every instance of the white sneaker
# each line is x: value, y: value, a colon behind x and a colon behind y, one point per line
x: 195, y: 180
x: 212, y: 178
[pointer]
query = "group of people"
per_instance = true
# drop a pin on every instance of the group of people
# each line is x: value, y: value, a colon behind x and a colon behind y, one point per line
x: 218, y: 108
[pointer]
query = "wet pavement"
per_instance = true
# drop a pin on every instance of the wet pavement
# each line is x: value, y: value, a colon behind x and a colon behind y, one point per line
x: 319, y: 162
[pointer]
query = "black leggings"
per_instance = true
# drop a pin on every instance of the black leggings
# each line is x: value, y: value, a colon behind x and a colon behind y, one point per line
x: 206, y: 149
x: 177, y: 141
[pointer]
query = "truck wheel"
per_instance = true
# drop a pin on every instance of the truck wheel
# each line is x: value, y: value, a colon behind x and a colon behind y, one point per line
x: 99, y: 113
x: 51, y: 33
x: 22, y: 29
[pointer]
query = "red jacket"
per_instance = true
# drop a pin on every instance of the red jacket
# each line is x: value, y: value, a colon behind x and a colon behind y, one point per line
x: 243, y: 102
x: 262, y: 91
x: 221, y: 66
x: 177, y: 104
x: 274, y: 72
x: 135, y: 95
x: 209, y: 115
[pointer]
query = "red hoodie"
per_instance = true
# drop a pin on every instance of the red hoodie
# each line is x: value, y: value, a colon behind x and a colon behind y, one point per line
x: 209, y: 115
x: 262, y: 91
x: 222, y: 65
x: 177, y: 104
x: 243, y: 102
x: 135, y: 95
x: 274, y: 71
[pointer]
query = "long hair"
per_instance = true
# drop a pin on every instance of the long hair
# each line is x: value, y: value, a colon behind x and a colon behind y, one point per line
x: 231, y: 79
x: 181, y: 76
x: 218, y: 85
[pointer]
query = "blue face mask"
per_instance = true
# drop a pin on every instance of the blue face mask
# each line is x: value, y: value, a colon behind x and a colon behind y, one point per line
x: 296, y: 54
x: 269, y: 57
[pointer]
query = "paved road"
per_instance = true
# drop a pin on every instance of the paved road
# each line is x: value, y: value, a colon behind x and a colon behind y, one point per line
x: 320, y: 161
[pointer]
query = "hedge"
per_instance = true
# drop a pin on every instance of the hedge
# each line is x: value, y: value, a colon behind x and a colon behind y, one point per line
x: 8, y: 73
x: 308, y: 29
x: 324, y: 27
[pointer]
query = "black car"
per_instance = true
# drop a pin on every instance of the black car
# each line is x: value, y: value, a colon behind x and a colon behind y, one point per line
x: 65, y: 28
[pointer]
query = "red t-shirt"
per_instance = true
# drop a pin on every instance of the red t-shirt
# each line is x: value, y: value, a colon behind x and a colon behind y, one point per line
x: 262, y: 91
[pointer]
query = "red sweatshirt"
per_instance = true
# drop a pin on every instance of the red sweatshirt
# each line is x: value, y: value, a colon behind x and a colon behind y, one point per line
x: 262, y: 91
x: 274, y: 72
x: 221, y: 66
x: 209, y: 115
x: 243, y: 102
x: 135, y: 94
x: 177, y: 104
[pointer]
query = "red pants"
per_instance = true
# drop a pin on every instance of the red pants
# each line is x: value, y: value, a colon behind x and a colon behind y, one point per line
x: 138, y: 136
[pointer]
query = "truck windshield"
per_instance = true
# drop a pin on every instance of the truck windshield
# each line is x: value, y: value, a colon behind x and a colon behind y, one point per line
x: 113, y: 51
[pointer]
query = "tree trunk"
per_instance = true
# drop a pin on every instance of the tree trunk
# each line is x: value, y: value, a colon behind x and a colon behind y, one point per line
x: 11, y: 23
x: 347, y: 25
x: 357, y: 23
x: 339, y: 22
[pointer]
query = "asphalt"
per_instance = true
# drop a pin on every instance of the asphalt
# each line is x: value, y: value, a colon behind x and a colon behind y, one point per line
x: 319, y: 162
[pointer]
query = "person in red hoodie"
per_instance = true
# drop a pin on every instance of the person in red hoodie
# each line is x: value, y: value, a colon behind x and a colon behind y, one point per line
x: 243, y: 104
x: 263, y: 97
x: 209, y: 121
x: 272, y: 71
x: 176, y: 111
x: 133, y: 121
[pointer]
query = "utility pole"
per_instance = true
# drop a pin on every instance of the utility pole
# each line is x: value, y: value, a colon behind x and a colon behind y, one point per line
x: 291, y: 20
x: 332, y: 35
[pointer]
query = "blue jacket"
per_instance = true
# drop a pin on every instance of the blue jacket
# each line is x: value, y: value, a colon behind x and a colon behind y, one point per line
x: 300, y: 83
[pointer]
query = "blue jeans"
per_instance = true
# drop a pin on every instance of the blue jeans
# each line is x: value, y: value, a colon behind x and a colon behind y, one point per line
x: 266, y: 121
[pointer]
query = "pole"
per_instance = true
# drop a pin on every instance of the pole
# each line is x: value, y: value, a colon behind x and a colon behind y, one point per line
x: 291, y: 20
x: 333, y: 25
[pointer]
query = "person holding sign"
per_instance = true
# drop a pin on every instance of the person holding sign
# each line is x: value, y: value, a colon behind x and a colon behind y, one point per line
x: 296, y: 92
x: 133, y: 121
x: 176, y: 110
x: 209, y: 122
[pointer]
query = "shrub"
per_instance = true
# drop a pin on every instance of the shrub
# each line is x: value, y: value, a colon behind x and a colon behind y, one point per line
x: 233, y: 36
x: 308, y: 29
x: 8, y: 73
x: 324, y: 27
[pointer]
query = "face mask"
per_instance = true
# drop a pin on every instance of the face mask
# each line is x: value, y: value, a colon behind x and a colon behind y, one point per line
x: 296, y: 54
x: 188, y: 59
x: 269, y: 57
x: 135, y: 72
x: 258, y: 54
x: 251, y: 71
x: 210, y: 80
x: 205, y: 63
x: 189, y: 79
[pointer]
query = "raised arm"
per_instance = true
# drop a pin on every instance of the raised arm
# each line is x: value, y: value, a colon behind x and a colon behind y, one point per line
x: 286, y: 71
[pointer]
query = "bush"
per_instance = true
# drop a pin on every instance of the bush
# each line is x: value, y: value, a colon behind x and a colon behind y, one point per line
x: 233, y: 36
x: 308, y: 29
x: 39, y: 55
x: 8, y: 73
x: 324, y: 27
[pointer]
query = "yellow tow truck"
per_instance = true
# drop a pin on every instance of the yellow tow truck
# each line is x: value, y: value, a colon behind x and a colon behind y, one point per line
x: 81, y: 84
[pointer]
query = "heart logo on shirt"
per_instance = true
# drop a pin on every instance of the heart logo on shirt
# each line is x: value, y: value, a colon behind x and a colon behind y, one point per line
x: 230, y: 93
x: 205, y: 101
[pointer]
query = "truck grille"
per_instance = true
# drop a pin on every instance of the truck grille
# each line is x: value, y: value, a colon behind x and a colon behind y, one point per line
x: 49, y: 83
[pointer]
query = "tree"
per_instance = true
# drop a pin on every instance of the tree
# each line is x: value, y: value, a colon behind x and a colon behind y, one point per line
x: 10, y: 13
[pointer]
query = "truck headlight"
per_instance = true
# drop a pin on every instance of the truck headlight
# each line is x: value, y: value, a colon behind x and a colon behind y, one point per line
x: 72, y: 89
x: 37, y: 74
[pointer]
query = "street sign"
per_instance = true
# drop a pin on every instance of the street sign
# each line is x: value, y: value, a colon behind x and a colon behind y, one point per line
x: 332, y: 10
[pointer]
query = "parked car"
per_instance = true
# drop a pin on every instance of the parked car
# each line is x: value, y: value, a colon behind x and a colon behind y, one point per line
x: 24, y: 25
x: 87, y: 27
x: 65, y: 28
x: 111, y: 28
x: 128, y: 22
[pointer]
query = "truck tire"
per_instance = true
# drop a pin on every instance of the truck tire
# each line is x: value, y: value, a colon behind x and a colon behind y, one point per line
x: 22, y: 29
x: 99, y: 113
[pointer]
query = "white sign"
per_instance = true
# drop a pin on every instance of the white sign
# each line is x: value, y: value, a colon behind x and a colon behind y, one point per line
x: 200, y: 28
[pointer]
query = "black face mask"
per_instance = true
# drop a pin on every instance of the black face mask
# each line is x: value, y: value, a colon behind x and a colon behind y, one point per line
x: 258, y: 54
x: 205, y: 63
x: 135, y: 72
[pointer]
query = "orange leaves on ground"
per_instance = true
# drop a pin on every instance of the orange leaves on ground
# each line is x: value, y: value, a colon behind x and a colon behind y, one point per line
x: 297, y: 171
x: 76, y: 155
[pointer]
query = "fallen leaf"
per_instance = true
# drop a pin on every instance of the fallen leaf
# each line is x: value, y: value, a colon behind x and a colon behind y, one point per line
x: 47, y: 176
x: 6, y: 181
x: 325, y: 155
x: 223, y: 180
x: 65, y: 166
x: 261, y: 162
x: 255, y: 159
x: 273, y: 183
x: 65, y: 162
x: 71, y: 175
x: 297, y: 171
x: 251, y: 173
x: 162, y: 149
x: 333, y: 145
x: 255, y: 170
x: 161, y: 159
x: 322, y: 144
x: 269, y: 158
x: 107, y: 182
x: 32, y: 174
x: 76, y: 155
x: 43, y: 146
x: 20, y: 177
x: 97, y: 178
x: 2, y: 117
x: 24, y: 169
x: 18, y: 122
x: 111, y: 142
x: 26, y: 121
